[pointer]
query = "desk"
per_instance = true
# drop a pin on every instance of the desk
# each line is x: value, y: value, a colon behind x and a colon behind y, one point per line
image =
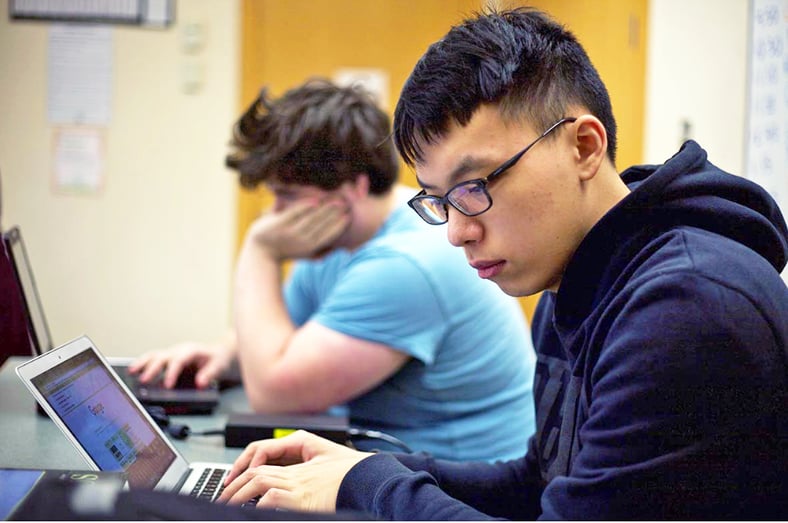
x: 29, y: 440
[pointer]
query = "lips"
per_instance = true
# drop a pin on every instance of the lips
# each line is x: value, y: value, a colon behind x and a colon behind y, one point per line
x: 487, y: 270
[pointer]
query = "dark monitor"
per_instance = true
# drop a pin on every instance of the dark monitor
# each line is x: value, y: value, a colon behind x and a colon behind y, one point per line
x: 14, y: 329
x: 40, y: 340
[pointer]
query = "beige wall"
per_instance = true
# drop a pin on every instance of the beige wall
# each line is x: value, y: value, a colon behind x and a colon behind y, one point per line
x: 147, y: 261
x: 697, y: 71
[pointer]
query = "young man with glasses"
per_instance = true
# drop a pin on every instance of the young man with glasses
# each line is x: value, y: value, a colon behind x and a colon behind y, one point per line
x: 661, y: 337
x: 378, y: 314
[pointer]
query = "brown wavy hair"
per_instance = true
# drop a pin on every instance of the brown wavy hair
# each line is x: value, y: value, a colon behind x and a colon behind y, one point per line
x: 317, y: 134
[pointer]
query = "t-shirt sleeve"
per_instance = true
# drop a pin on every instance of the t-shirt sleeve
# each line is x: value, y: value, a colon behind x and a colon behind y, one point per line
x: 300, y: 297
x: 388, y: 299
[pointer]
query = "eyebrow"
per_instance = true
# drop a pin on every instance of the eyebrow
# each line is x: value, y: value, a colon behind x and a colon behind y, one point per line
x: 466, y: 165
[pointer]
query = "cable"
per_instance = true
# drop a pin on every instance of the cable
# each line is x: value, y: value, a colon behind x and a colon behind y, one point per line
x: 176, y: 430
x: 353, y: 432
x: 212, y: 432
x: 179, y: 431
x: 184, y: 431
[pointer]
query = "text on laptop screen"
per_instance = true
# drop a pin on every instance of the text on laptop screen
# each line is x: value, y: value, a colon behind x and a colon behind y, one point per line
x: 107, y: 423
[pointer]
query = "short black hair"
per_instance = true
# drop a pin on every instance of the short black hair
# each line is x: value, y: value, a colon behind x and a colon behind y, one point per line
x: 527, y: 64
x: 317, y: 134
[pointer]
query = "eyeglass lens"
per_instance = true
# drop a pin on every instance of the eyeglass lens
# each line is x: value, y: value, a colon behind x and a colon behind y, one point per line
x: 470, y: 198
x: 430, y: 210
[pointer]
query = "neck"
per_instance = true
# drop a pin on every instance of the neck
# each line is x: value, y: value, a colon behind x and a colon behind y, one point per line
x: 370, y: 214
x: 611, y: 190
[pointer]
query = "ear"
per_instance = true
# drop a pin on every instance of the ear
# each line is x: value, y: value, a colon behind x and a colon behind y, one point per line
x: 591, y: 145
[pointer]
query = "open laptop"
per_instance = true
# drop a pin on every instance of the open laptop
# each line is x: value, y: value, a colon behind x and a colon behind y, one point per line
x: 185, y: 398
x: 110, y: 428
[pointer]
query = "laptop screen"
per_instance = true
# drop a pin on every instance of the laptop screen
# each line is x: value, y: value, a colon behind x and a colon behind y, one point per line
x: 39, y: 330
x: 104, y: 420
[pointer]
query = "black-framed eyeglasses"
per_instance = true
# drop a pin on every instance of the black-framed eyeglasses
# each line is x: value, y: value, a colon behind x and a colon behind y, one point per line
x: 470, y: 197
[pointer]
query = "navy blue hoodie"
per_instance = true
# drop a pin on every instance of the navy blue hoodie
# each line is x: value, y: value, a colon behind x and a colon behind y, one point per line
x: 662, y: 375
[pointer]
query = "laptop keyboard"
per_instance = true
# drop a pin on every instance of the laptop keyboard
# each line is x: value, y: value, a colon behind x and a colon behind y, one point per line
x: 210, y: 485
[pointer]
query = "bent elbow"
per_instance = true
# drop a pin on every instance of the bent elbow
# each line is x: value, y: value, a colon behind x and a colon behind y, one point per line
x: 280, y: 397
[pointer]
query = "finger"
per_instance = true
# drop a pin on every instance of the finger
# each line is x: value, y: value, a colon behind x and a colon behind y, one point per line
x: 314, y: 212
x: 321, y: 214
x: 153, y: 367
x: 287, y: 450
x: 231, y: 486
x: 267, y: 453
x: 281, y: 451
x: 139, y: 363
x: 331, y: 229
x: 253, y: 483
x: 279, y: 498
x: 325, y: 225
x: 241, y: 463
x: 206, y: 374
x: 300, y: 210
x: 257, y: 486
x: 174, y: 369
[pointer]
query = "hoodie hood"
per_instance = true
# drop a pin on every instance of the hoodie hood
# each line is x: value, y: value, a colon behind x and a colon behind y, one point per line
x: 689, y: 190
x: 685, y: 191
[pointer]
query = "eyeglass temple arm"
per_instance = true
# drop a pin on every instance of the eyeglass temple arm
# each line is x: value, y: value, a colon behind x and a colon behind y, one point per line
x: 519, y: 155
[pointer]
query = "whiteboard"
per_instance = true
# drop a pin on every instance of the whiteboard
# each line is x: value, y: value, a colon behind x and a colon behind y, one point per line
x: 766, y: 144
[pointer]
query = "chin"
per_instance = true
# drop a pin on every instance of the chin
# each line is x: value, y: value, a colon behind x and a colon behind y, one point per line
x: 509, y: 288
x: 519, y: 289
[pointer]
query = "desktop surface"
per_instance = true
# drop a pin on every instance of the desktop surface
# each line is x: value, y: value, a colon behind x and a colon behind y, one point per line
x: 33, y: 441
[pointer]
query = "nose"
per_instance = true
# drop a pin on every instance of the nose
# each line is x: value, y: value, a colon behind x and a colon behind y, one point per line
x: 462, y: 229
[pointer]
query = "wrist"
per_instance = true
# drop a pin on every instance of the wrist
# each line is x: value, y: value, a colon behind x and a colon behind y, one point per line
x: 260, y: 252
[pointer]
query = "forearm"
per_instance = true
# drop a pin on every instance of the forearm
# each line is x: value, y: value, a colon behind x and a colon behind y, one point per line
x: 263, y: 327
x: 509, y: 489
x: 388, y: 489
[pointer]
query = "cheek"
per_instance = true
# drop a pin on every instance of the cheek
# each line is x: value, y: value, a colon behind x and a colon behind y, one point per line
x: 539, y: 226
x: 533, y: 208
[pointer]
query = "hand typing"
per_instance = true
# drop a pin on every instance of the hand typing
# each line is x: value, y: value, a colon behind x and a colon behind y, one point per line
x: 211, y: 362
x: 301, y: 471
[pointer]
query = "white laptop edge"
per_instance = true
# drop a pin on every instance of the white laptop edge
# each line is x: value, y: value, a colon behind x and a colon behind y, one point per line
x: 28, y: 370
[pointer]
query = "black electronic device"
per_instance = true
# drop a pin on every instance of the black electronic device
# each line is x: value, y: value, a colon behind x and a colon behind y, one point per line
x: 243, y: 429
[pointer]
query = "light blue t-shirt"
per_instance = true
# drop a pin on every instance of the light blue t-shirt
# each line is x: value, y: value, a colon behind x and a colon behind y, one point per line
x: 466, y: 392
